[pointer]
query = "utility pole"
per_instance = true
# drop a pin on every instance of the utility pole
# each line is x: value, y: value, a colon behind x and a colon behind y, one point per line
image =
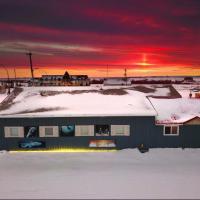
x: 107, y: 71
x: 125, y: 75
x: 31, y: 65
x: 15, y: 82
x: 15, y: 74
x: 8, y: 81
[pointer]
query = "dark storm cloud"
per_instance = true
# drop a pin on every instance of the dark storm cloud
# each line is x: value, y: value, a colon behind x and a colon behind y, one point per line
x: 66, y: 16
x: 80, y: 15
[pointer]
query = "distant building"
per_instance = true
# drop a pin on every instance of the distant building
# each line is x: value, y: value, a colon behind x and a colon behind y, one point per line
x: 51, y: 80
x: 188, y: 79
x: 81, y: 80
x: 64, y: 80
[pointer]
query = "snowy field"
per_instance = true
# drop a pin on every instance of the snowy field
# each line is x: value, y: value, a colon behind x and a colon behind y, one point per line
x: 160, y: 173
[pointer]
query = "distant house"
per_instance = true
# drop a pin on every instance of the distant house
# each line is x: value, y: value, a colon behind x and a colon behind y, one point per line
x: 64, y: 80
x: 56, y: 80
x: 188, y: 79
x: 80, y: 80
x: 94, y: 117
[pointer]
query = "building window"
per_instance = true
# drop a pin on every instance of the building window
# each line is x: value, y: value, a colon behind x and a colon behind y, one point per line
x: 14, y: 131
x: 120, y: 130
x: 102, y: 143
x: 48, y: 131
x: 171, y: 130
x: 84, y: 130
x: 31, y: 132
x: 102, y: 130
x: 67, y: 131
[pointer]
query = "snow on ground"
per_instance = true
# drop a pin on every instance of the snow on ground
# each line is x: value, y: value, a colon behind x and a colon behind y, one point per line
x: 160, y: 173
x: 184, y: 90
x: 2, y: 97
x: 117, y: 81
x: 161, y: 92
x: 176, y: 110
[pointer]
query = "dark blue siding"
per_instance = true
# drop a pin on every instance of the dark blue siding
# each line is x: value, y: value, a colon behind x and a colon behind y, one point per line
x: 142, y: 130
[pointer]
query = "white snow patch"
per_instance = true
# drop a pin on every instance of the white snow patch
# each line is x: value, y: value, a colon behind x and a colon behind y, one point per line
x: 176, y: 110
x: 84, y: 104
x: 2, y: 97
x: 160, y: 173
x: 184, y: 90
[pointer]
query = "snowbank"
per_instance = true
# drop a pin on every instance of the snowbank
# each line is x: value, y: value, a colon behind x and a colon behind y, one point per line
x: 160, y: 173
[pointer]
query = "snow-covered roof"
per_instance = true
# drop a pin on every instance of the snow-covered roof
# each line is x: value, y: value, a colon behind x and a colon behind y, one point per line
x: 185, y: 90
x: 98, y: 100
x: 177, y: 110
x: 78, y: 101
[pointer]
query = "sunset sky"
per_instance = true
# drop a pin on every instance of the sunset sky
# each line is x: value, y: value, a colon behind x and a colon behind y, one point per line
x: 148, y: 37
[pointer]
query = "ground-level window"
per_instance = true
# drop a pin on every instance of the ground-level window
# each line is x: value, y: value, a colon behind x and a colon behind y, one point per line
x: 31, y: 131
x: 84, y: 130
x: 171, y: 130
x: 14, y: 131
x: 49, y: 131
x: 102, y: 130
x: 120, y: 130
x: 67, y: 130
x: 102, y: 143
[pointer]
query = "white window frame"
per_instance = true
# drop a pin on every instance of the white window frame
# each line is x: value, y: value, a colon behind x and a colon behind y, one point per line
x: 126, y: 129
x: 7, y: 132
x: 43, y: 134
x: 171, y: 125
x: 78, y: 130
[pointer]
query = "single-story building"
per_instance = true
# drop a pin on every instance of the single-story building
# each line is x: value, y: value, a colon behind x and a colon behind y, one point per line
x: 178, y: 121
x: 93, y: 117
